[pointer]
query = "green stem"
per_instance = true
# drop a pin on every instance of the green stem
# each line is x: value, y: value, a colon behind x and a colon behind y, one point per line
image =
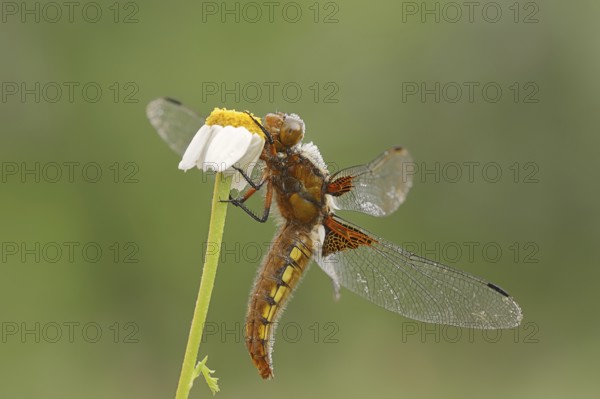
x: 211, y: 261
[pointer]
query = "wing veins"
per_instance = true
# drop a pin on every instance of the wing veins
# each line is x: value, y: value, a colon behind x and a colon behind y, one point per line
x: 419, y: 288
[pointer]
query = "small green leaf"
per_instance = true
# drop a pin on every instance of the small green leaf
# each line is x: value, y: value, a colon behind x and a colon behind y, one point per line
x: 206, y: 372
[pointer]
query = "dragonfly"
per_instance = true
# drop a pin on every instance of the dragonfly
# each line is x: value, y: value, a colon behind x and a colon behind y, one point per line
x: 308, y: 197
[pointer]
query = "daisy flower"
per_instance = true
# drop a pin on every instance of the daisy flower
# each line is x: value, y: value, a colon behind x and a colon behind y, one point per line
x: 227, y: 139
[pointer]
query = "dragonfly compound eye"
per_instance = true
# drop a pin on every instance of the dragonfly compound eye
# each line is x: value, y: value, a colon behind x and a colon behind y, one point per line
x: 292, y: 131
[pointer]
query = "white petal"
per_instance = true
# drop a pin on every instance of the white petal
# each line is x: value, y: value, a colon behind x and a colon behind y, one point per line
x: 248, y: 161
x: 254, y: 150
x: 197, y: 148
x: 226, y: 148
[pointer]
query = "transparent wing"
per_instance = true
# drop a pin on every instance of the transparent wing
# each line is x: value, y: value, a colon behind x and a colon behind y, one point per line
x: 377, y: 188
x: 415, y: 287
x: 175, y: 123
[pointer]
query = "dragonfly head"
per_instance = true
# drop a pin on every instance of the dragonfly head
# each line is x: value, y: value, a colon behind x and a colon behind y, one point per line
x: 287, y: 129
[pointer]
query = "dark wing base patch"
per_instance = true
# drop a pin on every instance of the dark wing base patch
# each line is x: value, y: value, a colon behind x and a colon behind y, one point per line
x: 339, y: 236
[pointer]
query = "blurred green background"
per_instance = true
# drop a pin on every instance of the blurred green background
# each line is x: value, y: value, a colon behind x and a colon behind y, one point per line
x: 84, y: 171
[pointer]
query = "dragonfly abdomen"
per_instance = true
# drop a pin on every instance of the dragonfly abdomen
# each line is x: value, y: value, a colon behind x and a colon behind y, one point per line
x: 280, y: 273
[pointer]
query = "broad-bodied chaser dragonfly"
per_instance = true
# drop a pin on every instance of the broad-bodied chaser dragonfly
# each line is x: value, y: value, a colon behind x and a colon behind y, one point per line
x: 307, y: 198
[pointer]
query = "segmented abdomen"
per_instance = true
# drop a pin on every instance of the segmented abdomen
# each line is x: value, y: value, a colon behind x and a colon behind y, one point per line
x: 280, y: 273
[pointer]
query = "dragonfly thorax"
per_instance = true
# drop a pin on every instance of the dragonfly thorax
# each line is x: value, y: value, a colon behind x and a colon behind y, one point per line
x: 298, y: 186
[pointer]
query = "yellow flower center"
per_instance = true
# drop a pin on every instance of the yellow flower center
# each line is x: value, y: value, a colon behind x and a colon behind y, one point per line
x: 226, y: 117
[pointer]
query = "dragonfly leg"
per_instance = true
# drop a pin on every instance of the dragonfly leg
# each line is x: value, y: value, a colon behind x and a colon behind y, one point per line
x: 265, y: 131
x: 239, y: 202
x: 248, y: 179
